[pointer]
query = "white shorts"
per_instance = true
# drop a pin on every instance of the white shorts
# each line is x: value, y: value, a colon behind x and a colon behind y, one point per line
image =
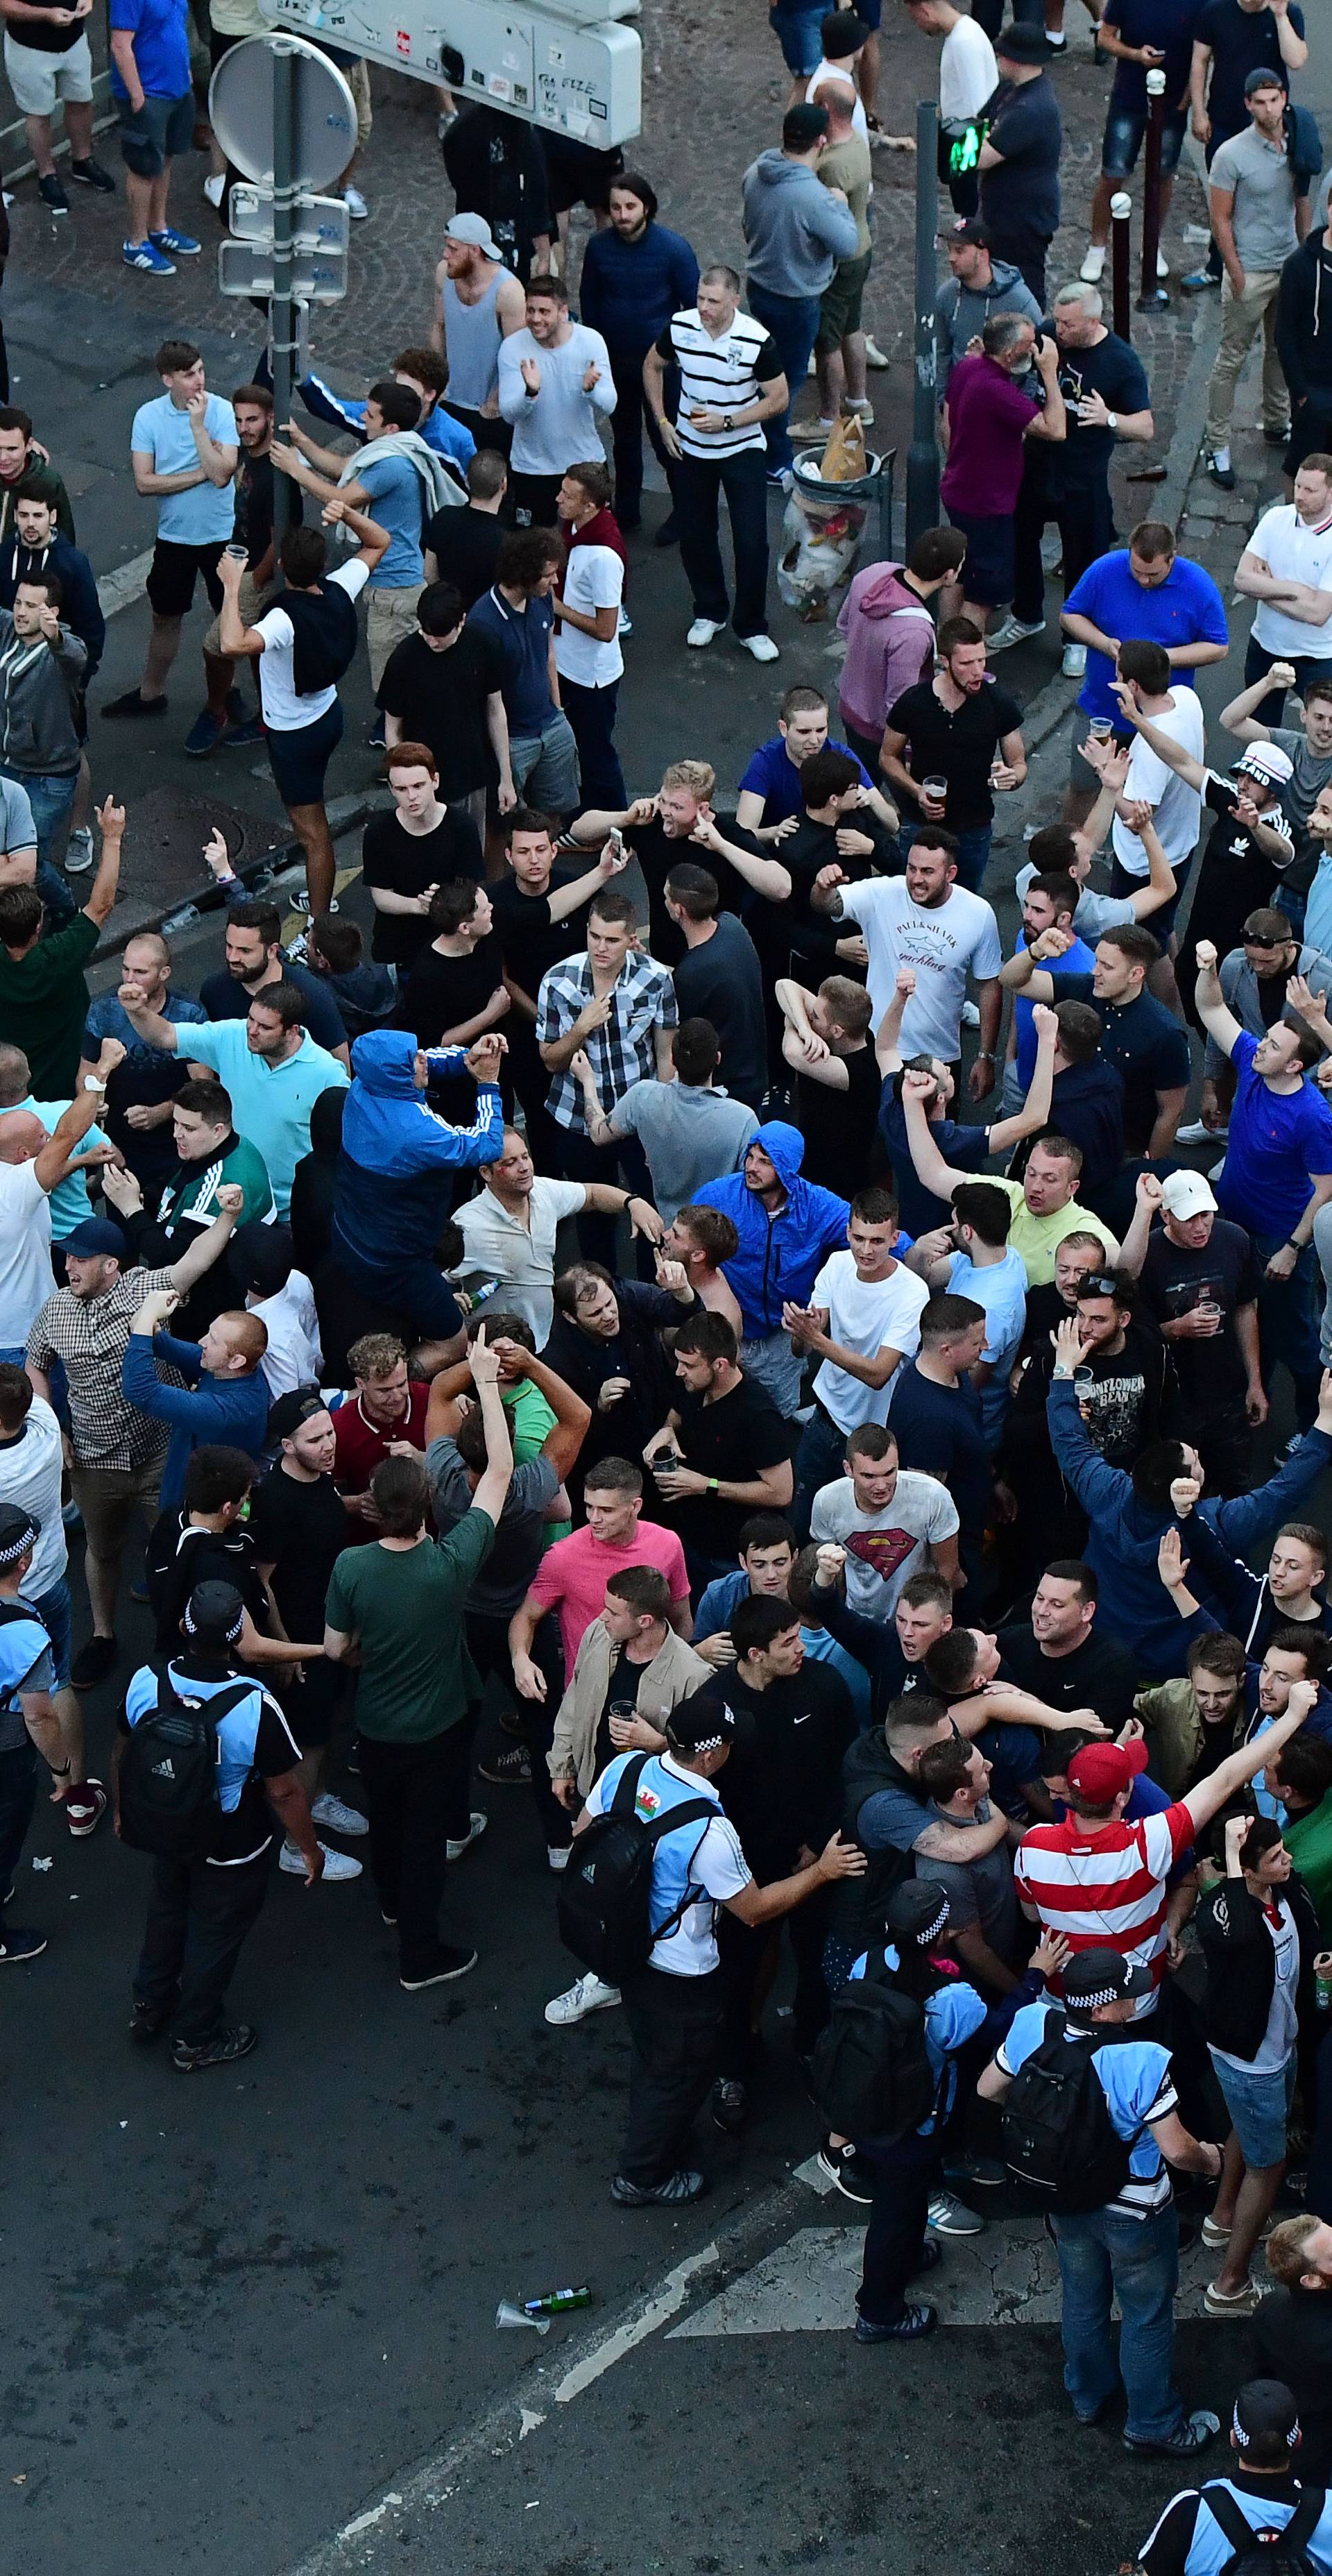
x: 38, y: 79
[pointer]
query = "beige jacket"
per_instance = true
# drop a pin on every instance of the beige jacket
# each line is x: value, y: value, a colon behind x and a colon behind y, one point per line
x: 675, y: 1671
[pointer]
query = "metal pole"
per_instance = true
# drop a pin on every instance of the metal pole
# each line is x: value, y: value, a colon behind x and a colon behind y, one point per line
x: 1153, y: 295
x: 922, y: 477
x: 1121, y: 208
x: 281, y: 308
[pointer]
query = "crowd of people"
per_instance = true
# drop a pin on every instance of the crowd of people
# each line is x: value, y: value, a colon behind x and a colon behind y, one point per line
x: 569, y: 1339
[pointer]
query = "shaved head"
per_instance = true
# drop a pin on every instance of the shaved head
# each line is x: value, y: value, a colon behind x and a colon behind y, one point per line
x: 22, y: 1136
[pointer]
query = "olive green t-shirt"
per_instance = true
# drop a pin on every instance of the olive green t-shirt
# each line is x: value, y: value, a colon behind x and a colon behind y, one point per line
x: 416, y: 1678
x: 44, y: 1003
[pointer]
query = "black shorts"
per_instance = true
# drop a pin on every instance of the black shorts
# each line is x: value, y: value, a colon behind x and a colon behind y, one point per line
x: 987, y: 574
x: 155, y: 133
x: 299, y: 759
x: 174, y: 572
x: 311, y: 1707
x: 577, y: 174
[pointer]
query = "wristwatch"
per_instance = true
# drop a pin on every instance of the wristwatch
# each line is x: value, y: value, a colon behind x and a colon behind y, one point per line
x: 728, y: 420
x: 984, y: 1055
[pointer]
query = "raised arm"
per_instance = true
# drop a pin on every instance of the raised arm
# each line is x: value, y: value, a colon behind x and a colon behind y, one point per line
x: 494, y: 1484
x: 1241, y: 717
x: 933, y: 1173
x: 1209, y: 1001
x: 1232, y: 1775
x: 1193, y: 772
x: 767, y: 876
x: 572, y: 1417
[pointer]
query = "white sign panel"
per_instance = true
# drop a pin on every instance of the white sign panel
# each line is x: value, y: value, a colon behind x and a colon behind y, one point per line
x: 567, y: 73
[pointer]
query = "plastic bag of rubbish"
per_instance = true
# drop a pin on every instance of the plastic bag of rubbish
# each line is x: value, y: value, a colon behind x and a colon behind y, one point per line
x: 821, y: 537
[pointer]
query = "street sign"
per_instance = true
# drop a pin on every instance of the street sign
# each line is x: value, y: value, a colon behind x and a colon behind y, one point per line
x: 247, y: 268
x: 318, y: 223
x: 568, y: 66
x: 323, y: 112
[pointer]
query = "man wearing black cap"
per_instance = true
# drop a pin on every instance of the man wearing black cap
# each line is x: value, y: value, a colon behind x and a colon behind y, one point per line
x: 28, y: 1721
x: 200, y: 1910
x: 1129, y: 2249
x: 978, y: 285
x: 263, y: 1264
x: 1217, y: 2526
x: 674, y: 2004
x: 1019, y: 159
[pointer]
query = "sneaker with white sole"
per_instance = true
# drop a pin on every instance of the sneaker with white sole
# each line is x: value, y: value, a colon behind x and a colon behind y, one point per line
x: 454, y: 1850
x: 589, y: 1995
x: 1074, y: 662
x: 702, y: 632
x: 874, y: 356
x: 336, y: 1864
x: 1197, y: 1134
x: 1162, y: 265
x: 79, y: 851
x: 355, y: 205
x: 1093, y: 264
x: 336, y: 1818
x: 1014, y: 630
x: 215, y: 187
x: 863, y: 408
x: 761, y: 647
x: 950, y: 2216
x: 84, y: 1814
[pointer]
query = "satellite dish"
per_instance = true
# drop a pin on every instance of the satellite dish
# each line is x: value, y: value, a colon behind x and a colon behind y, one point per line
x: 240, y: 111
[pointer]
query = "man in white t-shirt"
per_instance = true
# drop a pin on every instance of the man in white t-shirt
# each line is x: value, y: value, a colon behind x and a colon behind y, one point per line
x: 968, y: 76
x: 892, y: 1521
x: 31, y: 1165
x: 926, y: 921
x: 1143, y: 669
x: 863, y: 1321
x: 587, y: 630
x: 509, y: 1230
x: 304, y: 726
x: 1287, y: 567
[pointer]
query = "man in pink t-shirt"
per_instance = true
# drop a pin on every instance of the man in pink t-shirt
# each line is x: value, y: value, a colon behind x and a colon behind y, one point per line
x: 987, y: 420
x: 573, y: 1574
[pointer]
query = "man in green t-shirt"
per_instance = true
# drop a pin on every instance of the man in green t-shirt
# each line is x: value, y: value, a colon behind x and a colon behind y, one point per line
x: 398, y: 1604
x: 43, y: 991
x: 1302, y: 1780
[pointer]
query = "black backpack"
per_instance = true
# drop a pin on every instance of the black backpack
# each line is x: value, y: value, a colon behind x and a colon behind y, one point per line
x: 167, y: 1795
x: 1266, y: 2552
x: 604, y: 1905
x: 1058, y: 2136
x: 871, y: 2077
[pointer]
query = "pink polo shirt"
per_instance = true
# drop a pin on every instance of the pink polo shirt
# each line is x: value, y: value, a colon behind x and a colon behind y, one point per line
x: 574, y: 1573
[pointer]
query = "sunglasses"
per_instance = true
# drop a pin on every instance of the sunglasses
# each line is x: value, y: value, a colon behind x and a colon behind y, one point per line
x: 1098, y: 1288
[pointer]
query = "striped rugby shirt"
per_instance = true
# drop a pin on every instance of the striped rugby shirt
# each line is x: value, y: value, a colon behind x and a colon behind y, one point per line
x: 725, y: 374
x: 1104, y: 1886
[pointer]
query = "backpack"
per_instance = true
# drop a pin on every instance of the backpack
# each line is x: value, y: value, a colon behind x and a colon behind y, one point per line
x: 10, y: 1612
x: 604, y: 1905
x: 871, y: 2077
x: 168, y: 1795
x: 1266, y: 2553
x: 1058, y: 2135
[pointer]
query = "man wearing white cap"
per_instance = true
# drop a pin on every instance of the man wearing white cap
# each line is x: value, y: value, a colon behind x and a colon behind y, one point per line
x: 1200, y: 1281
x: 478, y: 304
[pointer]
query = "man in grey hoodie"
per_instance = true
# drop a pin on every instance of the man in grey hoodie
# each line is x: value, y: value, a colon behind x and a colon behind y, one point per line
x: 42, y: 669
x: 978, y: 285
x: 796, y: 230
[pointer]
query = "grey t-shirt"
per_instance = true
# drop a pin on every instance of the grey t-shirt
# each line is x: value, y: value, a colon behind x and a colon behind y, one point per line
x: 690, y: 1133
x: 501, y: 1586
x: 1311, y: 774
x: 1096, y: 913
x: 978, y: 1891
x: 1264, y: 208
x: 17, y: 829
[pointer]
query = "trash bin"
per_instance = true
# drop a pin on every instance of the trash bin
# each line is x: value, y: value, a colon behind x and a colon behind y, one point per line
x: 824, y: 531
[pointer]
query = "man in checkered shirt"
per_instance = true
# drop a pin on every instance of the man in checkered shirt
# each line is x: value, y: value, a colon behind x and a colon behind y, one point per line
x: 615, y: 1005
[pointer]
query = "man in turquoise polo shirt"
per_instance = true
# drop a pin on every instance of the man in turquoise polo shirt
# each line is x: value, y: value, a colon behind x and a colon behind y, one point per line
x: 269, y: 1065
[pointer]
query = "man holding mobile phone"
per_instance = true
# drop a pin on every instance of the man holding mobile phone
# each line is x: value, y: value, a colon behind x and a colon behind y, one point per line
x: 1143, y: 36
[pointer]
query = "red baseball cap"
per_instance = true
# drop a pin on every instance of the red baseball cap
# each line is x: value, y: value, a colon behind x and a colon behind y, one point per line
x: 1100, y: 1771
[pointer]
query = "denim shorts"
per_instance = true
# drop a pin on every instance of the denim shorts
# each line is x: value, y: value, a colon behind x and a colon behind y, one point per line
x: 1122, y: 142
x: 799, y: 32
x: 1258, y: 2105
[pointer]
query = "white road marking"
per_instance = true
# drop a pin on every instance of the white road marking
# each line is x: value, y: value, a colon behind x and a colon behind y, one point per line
x: 120, y: 589
x: 669, y: 2299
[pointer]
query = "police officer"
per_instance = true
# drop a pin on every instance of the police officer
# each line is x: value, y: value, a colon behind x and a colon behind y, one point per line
x: 201, y: 1909
x: 28, y: 1721
x: 674, y: 2004
x: 1128, y: 2250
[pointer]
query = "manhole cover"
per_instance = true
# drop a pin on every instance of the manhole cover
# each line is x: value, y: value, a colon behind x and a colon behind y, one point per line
x: 164, y: 868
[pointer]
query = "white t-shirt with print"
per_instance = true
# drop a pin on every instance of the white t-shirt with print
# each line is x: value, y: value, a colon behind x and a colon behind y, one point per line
x: 883, y: 1549
x: 943, y: 945
x: 865, y: 1316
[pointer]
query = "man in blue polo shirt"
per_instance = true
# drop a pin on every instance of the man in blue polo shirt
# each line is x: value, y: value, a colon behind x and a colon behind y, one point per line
x: 1142, y: 589
x: 770, y: 788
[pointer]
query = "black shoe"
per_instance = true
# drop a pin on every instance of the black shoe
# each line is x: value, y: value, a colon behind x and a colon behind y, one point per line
x: 910, y: 2326
x: 844, y: 2167
x: 728, y: 2106
x: 513, y: 1723
x: 1222, y: 475
x: 96, y: 1658
x: 931, y: 2256
x: 18, y: 1946
x: 1277, y: 437
x: 223, y: 2049
x: 1194, y: 2434
x: 147, y: 2021
x: 677, y: 2187
x: 133, y: 703
x: 448, y: 1963
x: 52, y: 195
x: 90, y: 174
x: 667, y: 534
x: 509, y: 1769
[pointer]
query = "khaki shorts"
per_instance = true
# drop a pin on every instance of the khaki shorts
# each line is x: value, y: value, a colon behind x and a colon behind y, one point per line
x: 109, y: 1497
x: 390, y: 615
x: 252, y: 603
x: 38, y: 79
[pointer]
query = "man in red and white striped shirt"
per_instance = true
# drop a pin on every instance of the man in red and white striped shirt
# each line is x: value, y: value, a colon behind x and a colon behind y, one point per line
x: 1101, y: 1881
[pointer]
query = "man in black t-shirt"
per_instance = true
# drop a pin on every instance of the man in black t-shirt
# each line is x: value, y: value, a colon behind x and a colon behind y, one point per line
x: 1059, y: 1658
x: 299, y: 1526
x: 456, y: 990
x: 722, y: 1452
x: 445, y: 686
x: 409, y: 853
x: 1019, y: 159
x: 206, y: 1541
x: 660, y: 829
x: 1139, y: 1035
x: 1106, y: 398
x: 1200, y: 1282
x: 959, y: 727
x: 462, y: 546
x: 839, y: 1087
x: 254, y: 958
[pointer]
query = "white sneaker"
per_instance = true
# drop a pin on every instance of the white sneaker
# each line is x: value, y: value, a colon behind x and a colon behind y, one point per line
x: 874, y: 356
x: 455, y: 1850
x: 863, y: 409
x: 79, y: 851
x: 761, y: 647
x: 1074, y: 663
x: 336, y: 1864
x: 702, y: 632
x: 215, y: 186
x: 1196, y: 1134
x: 1014, y: 630
x: 1093, y: 265
x: 355, y: 205
x: 1162, y: 264
x: 330, y: 1812
x: 588, y: 1996
x: 557, y: 1855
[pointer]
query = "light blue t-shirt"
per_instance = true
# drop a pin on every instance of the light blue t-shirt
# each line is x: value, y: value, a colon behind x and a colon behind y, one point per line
x: 1138, y: 2086
x: 206, y: 514
x: 1002, y: 1291
x: 70, y: 1203
x: 394, y: 487
x: 953, y: 2013
x: 270, y: 1105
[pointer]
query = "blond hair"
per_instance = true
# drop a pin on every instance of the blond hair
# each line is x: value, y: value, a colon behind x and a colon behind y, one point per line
x: 697, y: 777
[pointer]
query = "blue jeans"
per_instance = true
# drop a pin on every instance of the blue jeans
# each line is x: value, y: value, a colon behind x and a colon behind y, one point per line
x: 973, y: 857
x: 50, y: 794
x: 1105, y: 2256
x: 793, y: 321
x: 698, y: 490
x: 1288, y: 1319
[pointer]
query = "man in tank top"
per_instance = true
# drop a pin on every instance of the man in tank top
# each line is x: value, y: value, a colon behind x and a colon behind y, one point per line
x: 478, y: 304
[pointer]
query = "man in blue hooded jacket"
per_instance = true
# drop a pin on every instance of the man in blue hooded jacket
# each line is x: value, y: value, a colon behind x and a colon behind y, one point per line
x: 1131, y: 1511
x: 395, y: 1183
x: 787, y: 1228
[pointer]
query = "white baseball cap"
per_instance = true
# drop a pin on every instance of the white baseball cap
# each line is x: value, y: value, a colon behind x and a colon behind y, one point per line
x: 1187, y: 1194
